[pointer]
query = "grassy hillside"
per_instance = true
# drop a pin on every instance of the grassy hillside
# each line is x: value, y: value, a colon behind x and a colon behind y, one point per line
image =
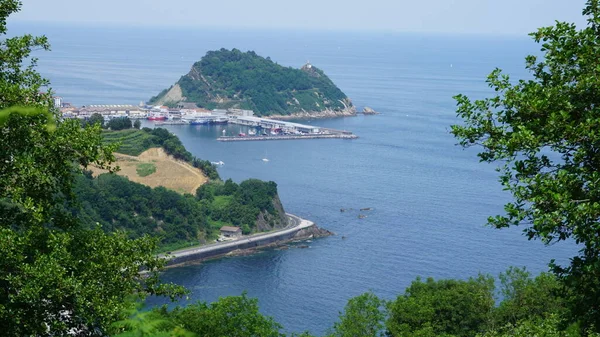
x: 245, y: 80
x: 154, y: 167
x: 133, y: 142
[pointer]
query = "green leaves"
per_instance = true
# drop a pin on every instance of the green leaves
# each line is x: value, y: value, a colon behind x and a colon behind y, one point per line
x: 545, y: 132
x: 445, y: 307
x: 56, y: 275
x: 363, y: 316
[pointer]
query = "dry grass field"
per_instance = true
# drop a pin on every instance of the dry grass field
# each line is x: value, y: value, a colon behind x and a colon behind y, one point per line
x: 170, y: 173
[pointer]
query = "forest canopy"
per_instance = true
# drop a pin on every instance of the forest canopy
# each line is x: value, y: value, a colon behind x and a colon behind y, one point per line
x: 234, y: 79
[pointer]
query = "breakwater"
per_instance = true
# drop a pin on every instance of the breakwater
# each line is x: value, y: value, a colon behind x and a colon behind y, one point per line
x: 286, y: 137
x: 297, y: 228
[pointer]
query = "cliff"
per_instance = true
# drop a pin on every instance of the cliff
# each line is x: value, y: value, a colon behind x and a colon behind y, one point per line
x: 275, y: 220
x: 244, y: 80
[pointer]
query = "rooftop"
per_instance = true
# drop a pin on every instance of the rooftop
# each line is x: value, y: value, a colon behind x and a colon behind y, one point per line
x: 230, y: 229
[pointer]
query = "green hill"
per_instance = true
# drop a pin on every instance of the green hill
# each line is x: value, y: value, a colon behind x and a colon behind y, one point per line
x: 244, y: 80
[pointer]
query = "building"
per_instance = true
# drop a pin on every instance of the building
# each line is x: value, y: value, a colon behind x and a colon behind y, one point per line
x: 58, y: 102
x: 231, y: 232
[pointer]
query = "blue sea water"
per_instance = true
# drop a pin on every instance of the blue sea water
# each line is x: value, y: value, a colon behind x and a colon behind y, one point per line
x: 430, y: 198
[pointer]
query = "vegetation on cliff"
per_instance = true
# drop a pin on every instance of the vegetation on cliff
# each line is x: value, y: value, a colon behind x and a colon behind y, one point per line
x: 176, y: 220
x: 57, y: 275
x: 245, y: 80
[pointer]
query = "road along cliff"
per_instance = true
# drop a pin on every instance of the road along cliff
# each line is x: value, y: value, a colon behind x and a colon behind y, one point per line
x: 297, y: 229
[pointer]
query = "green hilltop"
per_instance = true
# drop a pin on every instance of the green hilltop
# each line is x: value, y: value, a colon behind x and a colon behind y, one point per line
x: 225, y: 79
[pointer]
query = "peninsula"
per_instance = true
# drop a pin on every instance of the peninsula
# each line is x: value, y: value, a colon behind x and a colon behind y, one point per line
x: 232, y: 79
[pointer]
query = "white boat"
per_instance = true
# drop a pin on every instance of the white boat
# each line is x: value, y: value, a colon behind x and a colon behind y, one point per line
x: 265, y: 159
x: 218, y: 163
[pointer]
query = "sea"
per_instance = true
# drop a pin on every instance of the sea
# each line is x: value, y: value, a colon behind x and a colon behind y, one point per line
x: 429, y: 198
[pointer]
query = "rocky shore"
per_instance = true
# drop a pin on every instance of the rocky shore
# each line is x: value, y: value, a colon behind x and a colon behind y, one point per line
x: 310, y: 233
x: 303, y: 230
x: 316, y: 114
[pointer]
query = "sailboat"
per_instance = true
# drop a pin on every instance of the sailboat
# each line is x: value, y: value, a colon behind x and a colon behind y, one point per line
x: 265, y: 159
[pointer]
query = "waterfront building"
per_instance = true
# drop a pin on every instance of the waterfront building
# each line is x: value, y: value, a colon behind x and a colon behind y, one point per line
x: 231, y: 232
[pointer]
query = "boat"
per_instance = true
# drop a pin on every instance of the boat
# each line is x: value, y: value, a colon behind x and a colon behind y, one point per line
x: 252, y: 132
x: 199, y: 121
x: 265, y: 159
x: 220, y: 120
x: 218, y: 163
x: 157, y: 117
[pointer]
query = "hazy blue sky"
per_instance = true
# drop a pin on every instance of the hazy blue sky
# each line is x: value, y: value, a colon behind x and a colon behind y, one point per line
x: 451, y: 16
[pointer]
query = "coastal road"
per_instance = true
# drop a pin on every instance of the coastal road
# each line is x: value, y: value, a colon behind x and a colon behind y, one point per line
x: 295, y: 224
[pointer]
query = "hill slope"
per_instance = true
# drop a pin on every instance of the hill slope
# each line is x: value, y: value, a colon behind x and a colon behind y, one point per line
x: 245, y: 80
x: 154, y: 167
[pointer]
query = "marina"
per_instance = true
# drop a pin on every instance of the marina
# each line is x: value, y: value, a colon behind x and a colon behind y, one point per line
x: 286, y: 137
x: 257, y: 128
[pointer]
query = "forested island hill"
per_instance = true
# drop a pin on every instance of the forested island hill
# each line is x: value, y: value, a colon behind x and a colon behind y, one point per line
x: 226, y: 79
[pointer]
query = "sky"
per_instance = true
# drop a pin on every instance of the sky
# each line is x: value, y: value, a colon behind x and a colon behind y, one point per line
x: 498, y: 17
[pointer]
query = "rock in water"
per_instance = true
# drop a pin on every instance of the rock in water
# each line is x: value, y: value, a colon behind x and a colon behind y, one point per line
x: 369, y: 111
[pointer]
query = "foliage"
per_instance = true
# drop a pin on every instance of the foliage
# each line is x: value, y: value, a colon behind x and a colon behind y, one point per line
x: 544, y: 132
x: 95, y: 118
x: 137, y: 124
x: 526, y: 298
x: 19, y: 84
x: 55, y: 275
x: 240, y: 204
x: 119, y: 123
x: 131, y: 142
x: 145, y: 169
x: 231, y: 78
x: 548, y: 327
x: 230, y: 316
x: 49, y: 263
x: 175, y: 220
x: 140, y: 323
x: 119, y: 204
x: 445, y: 307
x: 362, y: 317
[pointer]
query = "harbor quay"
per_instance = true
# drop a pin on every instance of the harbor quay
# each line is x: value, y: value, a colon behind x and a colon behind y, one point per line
x: 189, y: 114
x: 287, y: 137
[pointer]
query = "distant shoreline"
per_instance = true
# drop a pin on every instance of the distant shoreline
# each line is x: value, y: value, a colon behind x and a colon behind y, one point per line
x: 297, y: 229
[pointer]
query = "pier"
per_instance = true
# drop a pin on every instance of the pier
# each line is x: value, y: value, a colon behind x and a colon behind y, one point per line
x: 286, y: 137
x: 282, y: 130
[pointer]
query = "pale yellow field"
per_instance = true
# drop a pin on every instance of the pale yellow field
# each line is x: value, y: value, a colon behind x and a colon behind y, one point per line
x: 170, y: 173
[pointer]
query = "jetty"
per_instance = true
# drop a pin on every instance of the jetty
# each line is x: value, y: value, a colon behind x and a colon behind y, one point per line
x: 285, y: 137
x: 271, y: 129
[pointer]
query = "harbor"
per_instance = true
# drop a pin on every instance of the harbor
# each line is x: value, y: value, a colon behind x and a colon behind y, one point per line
x: 286, y: 137
x: 256, y: 128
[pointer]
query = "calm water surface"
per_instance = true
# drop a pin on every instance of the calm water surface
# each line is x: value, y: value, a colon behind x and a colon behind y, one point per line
x: 430, y: 198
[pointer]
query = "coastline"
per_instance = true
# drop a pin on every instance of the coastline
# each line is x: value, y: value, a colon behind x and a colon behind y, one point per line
x: 315, y: 114
x: 298, y: 229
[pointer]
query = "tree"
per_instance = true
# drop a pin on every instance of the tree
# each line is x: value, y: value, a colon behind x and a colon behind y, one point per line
x: 119, y: 123
x: 137, y: 124
x: 544, y: 131
x: 229, y: 316
x: 96, y: 118
x: 445, y: 307
x: 20, y: 85
x: 56, y: 276
x: 526, y: 298
x: 363, y: 317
